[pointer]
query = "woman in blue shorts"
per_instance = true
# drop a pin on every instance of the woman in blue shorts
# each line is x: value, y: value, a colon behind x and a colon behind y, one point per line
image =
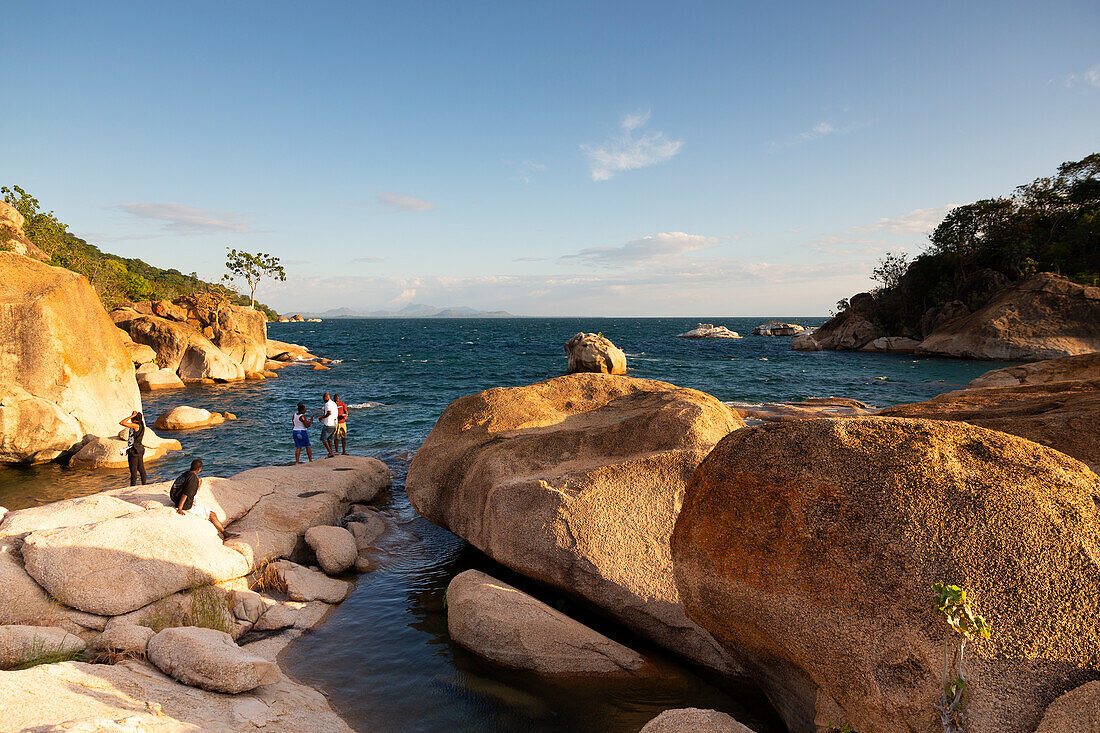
x: 300, y: 432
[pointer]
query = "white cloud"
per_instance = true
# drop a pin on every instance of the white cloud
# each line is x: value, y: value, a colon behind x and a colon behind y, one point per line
x: 181, y: 219
x: 1090, y: 78
x: 367, y: 260
x: 648, y: 251
x: 628, y: 152
x: 918, y: 220
x: 530, y: 259
x: 525, y: 170
x: 403, y: 202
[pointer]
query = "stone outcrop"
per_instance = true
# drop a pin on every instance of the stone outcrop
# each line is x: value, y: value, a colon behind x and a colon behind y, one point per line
x: 1077, y: 711
x: 777, y: 328
x: 850, y: 330
x: 123, y: 638
x: 576, y: 482
x: 209, y: 659
x: 307, y: 584
x: 1062, y: 415
x: 1067, y: 368
x: 805, y: 342
x: 281, y: 351
x: 1042, y: 317
x: 710, y: 331
x: 591, y: 352
x: 807, y: 409
x: 334, y: 547
x: 694, y: 720
x: 20, y: 644
x: 159, y: 379
x: 121, y: 564
x: 496, y: 621
x: 187, y: 418
x: 809, y: 549
x: 892, y: 345
x: 110, y: 452
x: 12, y: 237
x: 63, y: 369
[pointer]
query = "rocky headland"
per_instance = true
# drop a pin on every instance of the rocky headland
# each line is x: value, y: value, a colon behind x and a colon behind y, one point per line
x: 121, y: 614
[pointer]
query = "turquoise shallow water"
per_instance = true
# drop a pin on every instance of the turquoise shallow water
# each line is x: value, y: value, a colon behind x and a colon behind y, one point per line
x: 384, y: 656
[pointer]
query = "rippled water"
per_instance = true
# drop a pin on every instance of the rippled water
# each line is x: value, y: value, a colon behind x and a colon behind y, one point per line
x: 384, y: 656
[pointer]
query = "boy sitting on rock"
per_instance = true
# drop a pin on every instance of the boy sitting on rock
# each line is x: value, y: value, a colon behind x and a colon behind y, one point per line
x: 183, y: 493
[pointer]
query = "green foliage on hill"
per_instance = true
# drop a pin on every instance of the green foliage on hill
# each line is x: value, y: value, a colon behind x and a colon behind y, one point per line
x: 1049, y: 225
x: 116, y: 279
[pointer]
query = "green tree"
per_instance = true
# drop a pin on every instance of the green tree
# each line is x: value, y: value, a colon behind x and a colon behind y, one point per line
x: 252, y: 268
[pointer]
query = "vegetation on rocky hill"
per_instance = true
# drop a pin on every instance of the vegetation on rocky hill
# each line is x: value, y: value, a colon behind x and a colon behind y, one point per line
x: 1049, y: 225
x: 115, y: 279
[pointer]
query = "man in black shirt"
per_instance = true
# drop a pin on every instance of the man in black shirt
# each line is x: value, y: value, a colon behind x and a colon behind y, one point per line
x: 183, y: 493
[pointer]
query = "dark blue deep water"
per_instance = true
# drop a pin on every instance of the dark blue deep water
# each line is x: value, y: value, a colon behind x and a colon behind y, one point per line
x: 383, y: 656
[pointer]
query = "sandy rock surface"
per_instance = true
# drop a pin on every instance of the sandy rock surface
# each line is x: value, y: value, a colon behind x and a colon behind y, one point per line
x: 64, y: 367
x: 576, y: 482
x: 209, y: 659
x: 505, y: 625
x: 810, y: 548
x: 334, y: 546
x: 694, y: 720
x: 590, y: 352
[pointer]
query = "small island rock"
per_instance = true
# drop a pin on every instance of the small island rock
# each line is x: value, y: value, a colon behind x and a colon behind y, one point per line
x: 593, y: 352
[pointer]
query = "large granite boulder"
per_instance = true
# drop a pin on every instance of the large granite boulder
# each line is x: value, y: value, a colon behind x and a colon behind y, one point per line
x: 576, y: 482
x: 240, y: 332
x: 121, y: 564
x: 12, y: 237
x: 809, y: 549
x: 850, y: 330
x: 25, y: 602
x: 21, y: 644
x: 158, y: 379
x: 307, y: 584
x: 334, y: 547
x: 111, y: 452
x: 209, y: 659
x: 496, y: 621
x: 187, y: 418
x: 591, y: 352
x: 1042, y: 317
x: 1062, y: 415
x: 180, y: 347
x: 64, y: 367
x: 694, y: 720
x: 1065, y: 369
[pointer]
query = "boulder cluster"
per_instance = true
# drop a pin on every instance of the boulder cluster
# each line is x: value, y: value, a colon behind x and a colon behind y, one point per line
x: 120, y: 577
x: 1041, y: 317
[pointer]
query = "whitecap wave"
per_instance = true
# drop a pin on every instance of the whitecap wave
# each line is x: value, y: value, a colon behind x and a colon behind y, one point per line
x: 365, y: 405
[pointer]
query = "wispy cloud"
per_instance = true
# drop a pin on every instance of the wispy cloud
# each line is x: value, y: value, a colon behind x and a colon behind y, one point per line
x: 917, y: 220
x: 628, y: 151
x: 1090, y: 78
x: 181, y: 219
x: 525, y: 170
x: 653, y: 250
x: 825, y: 128
x: 530, y: 259
x: 367, y: 260
x: 403, y: 202
x: 886, y: 234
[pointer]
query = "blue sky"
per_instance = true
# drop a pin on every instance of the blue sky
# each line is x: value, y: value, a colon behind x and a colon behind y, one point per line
x: 544, y: 158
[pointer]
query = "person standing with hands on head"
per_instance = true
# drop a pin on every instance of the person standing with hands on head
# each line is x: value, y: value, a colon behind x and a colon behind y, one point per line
x: 183, y: 498
x: 341, y: 424
x: 299, y: 430
x: 135, y: 446
x: 328, y: 424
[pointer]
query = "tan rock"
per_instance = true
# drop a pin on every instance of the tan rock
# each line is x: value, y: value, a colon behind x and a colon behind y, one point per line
x: 591, y: 352
x: 57, y: 346
x: 293, y: 614
x: 66, y: 513
x: 805, y: 342
x: 334, y: 547
x: 204, y: 360
x: 139, y: 353
x: 121, y: 564
x: 320, y: 367
x: 209, y: 659
x: 496, y: 621
x: 110, y: 452
x: 125, y: 639
x: 75, y: 693
x: 710, y: 331
x: 807, y: 409
x: 892, y: 345
x: 23, y: 601
x: 269, y: 374
x: 1043, y: 317
x: 694, y: 720
x: 809, y: 549
x: 187, y: 418
x: 1062, y: 415
x: 576, y: 482
x: 12, y: 236
x: 1077, y: 711
x: 158, y: 379
x: 307, y: 584
x: 366, y: 527
x: 1066, y: 368
x: 254, y: 376
x: 20, y: 644
x: 171, y: 311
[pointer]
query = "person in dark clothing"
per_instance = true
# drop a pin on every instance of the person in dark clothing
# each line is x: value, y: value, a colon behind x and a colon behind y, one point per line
x: 183, y: 493
x: 135, y: 447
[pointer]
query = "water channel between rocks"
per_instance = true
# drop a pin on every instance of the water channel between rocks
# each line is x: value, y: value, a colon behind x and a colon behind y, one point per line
x: 384, y: 657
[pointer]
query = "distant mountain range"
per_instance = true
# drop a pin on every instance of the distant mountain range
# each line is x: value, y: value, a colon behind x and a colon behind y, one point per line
x: 412, y: 310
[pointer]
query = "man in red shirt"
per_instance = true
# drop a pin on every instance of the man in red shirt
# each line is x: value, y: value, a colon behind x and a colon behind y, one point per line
x: 341, y: 425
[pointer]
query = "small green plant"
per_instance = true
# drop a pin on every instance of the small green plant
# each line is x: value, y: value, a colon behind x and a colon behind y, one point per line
x: 952, y: 603
x: 845, y: 728
x: 205, y: 606
x: 44, y: 651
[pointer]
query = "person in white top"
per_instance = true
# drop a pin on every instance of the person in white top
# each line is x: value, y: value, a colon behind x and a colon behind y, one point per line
x: 299, y: 430
x: 328, y: 426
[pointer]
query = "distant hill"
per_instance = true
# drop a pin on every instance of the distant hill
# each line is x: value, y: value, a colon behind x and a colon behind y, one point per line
x: 412, y: 310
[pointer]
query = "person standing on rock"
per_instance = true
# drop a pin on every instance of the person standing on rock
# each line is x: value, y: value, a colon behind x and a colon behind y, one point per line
x: 341, y: 424
x: 299, y: 430
x: 183, y: 498
x: 135, y: 446
x: 328, y: 424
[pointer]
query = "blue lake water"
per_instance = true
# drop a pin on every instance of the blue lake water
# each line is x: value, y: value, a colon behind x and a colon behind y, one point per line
x: 383, y: 656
